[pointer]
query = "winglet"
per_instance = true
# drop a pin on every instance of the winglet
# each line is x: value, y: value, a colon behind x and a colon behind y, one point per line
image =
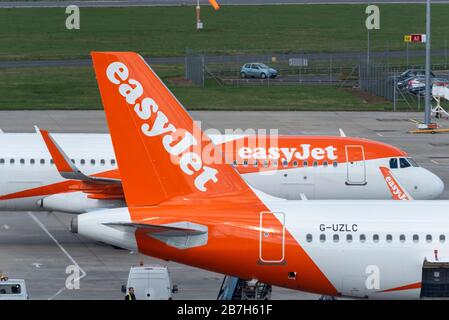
x: 342, y: 133
x: 65, y: 167
x: 398, y: 192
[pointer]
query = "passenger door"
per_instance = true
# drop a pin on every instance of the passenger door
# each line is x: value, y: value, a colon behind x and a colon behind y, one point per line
x: 355, y: 162
x: 272, y: 238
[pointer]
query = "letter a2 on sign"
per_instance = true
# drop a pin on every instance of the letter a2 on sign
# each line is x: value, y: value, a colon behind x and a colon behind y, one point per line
x: 373, y: 19
x: 73, y: 20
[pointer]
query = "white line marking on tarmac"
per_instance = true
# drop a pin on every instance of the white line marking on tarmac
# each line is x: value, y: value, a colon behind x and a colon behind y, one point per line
x: 83, y: 273
x: 434, y: 161
x: 379, y: 134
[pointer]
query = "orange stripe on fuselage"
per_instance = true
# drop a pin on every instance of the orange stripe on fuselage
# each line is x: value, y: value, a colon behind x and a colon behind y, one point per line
x: 253, y: 153
x: 233, y: 242
x: 416, y: 285
x: 58, y: 187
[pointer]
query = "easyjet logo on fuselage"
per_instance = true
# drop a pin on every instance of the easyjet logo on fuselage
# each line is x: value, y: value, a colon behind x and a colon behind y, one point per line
x: 156, y: 123
x: 396, y: 190
x: 305, y: 152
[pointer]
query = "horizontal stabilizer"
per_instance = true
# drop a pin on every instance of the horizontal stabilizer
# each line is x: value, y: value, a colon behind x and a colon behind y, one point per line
x: 181, y: 235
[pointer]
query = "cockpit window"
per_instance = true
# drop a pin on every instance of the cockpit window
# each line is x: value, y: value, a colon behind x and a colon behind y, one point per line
x: 393, y: 163
x: 404, y: 163
x: 412, y: 162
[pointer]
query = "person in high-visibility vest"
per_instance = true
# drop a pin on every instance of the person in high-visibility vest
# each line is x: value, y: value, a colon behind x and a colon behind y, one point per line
x: 130, y: 295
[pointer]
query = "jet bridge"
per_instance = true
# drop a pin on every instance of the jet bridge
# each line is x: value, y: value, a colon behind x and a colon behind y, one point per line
x: 233, y: 288
x: 435, y: 279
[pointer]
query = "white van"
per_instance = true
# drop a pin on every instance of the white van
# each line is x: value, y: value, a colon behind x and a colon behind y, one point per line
x: 150, y: 283
x: 13, y: 289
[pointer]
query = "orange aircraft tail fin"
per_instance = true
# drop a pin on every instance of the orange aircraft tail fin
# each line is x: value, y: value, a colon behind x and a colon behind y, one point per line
x: 160, y: 150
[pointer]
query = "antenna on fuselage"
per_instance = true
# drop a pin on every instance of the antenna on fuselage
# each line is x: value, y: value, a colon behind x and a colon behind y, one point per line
x: 342, y: 133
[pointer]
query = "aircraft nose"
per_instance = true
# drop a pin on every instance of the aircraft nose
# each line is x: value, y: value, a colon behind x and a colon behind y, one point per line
x: 434, y: 185
x: 438, y: 187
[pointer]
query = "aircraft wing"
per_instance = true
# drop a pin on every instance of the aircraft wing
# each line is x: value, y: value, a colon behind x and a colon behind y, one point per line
x: 398, y: 192
x: 100, y: 188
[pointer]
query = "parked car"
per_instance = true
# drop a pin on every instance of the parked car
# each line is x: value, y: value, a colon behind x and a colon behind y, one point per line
x: 404, y: 77
x: 417, y: 85
x: 257, y: 70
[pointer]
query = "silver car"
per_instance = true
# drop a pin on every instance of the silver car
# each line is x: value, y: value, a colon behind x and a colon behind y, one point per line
x: 257, y: 70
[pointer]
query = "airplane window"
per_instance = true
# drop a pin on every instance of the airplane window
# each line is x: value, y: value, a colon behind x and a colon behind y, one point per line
x: 429, y: 238
x: 309, y: 237
x: 42, y: 161
x: 284, y: 163
x: 234, y: 162
x: 51, y: 161
x: 113, y: 162
x: 336, y: 238
x: 335, y: 164
x: 265, y: 163
x: 305, y: 164
x: 102, y: 162
x: 73, y: 160
x: 389, y: 238
x: 375, y: 237
x: 442, y: 238
x: 2, y: 161
x: 404, y: 163
x: 82, y: 162
x: 92, y: 162
x: 275, y: 163
x: 22, y: 161
x: 295, y: 163
x: 362, y: 238
x: 11, y: 161
x: 322, y: 237
x: 32, y: 161
x: 245, y: 163
x: 325, y: 164
x: 402, y: 238
x: 393, y: 163
x: 256, y: 163
x: 412, y: 162
x: 349, y: 237
x: 415, y: 238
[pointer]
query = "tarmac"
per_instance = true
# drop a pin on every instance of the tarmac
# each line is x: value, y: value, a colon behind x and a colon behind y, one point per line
x: 38, y: 246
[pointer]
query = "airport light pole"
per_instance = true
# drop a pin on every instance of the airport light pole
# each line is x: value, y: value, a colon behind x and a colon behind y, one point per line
x: 427, y: 110
x: 199, y: 24
x: 368, y: 46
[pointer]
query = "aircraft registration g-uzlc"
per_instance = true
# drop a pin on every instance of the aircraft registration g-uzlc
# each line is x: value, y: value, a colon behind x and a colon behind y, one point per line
x: 207, y: 216
x: 77, y: 173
